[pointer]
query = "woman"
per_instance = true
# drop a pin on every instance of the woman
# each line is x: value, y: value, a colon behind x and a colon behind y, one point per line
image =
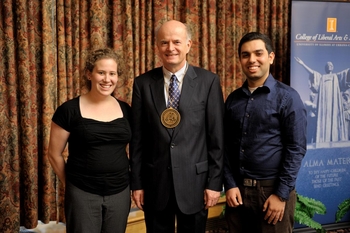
x: 96, y: 128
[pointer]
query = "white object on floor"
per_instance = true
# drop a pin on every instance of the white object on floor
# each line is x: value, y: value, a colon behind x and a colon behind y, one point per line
x: 51, y: 227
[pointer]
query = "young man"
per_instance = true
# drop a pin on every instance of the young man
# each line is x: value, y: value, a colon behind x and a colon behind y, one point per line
x: 176, y: 152
x: 265, y: 142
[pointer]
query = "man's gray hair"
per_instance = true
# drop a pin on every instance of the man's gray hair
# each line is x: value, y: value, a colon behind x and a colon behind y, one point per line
x: 188, y: 29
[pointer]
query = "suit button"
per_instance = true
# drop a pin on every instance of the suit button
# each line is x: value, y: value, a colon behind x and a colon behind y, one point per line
x: 168, y: 168
x: 172, y: 145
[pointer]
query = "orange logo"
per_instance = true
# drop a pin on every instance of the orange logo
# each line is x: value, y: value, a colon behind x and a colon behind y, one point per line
x: 331, y: 24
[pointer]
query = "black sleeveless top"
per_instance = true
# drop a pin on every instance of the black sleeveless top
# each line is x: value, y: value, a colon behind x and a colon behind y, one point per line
x: 97, y: 160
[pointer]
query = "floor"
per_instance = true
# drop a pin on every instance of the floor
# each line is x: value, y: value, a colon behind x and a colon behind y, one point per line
x: 51, y: 227
x: 54, y: 227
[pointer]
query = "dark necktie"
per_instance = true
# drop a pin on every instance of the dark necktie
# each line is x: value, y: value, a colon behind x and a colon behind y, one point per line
x: 174, y: 93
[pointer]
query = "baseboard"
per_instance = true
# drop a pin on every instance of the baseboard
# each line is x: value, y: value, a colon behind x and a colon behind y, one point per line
x: 327, y: 227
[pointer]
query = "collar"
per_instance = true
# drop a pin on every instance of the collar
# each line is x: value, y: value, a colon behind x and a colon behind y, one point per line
x: 180, y: 74
x: 266, y: 87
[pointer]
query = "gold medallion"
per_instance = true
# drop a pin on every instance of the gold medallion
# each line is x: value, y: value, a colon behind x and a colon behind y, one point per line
x: 170, y: 118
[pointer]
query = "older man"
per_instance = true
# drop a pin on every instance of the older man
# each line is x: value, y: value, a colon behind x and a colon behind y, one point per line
x: 176, y: 152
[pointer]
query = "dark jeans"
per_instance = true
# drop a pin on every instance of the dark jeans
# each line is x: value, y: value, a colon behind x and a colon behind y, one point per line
x: 250, y: 216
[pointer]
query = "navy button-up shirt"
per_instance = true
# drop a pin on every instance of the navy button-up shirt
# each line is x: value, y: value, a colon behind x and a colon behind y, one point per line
x: 265, y: 135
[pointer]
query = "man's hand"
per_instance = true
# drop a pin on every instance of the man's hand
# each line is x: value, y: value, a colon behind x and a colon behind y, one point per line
x: 137, y: 196
x: 233, y: 197
x: 211, y: 198
x: 274, y: 208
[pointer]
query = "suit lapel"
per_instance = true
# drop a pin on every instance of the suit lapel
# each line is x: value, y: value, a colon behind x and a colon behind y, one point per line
x: 157, y: 92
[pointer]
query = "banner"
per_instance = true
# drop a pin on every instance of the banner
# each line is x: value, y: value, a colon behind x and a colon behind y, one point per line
x: 320, y: 72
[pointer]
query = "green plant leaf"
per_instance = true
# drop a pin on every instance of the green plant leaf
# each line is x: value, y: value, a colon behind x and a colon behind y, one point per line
x: 305, y: 209
x: 302, y: 218
x: 343, y: 208
x: 311, y: 205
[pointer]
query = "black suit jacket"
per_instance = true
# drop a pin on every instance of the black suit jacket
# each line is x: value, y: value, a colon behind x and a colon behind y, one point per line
x: 189, y: 157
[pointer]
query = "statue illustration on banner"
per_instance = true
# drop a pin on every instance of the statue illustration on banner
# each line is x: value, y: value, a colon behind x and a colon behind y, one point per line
x: 328, y: 105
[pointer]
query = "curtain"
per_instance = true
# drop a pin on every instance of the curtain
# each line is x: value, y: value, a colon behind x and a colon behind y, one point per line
x: 43, y: 44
